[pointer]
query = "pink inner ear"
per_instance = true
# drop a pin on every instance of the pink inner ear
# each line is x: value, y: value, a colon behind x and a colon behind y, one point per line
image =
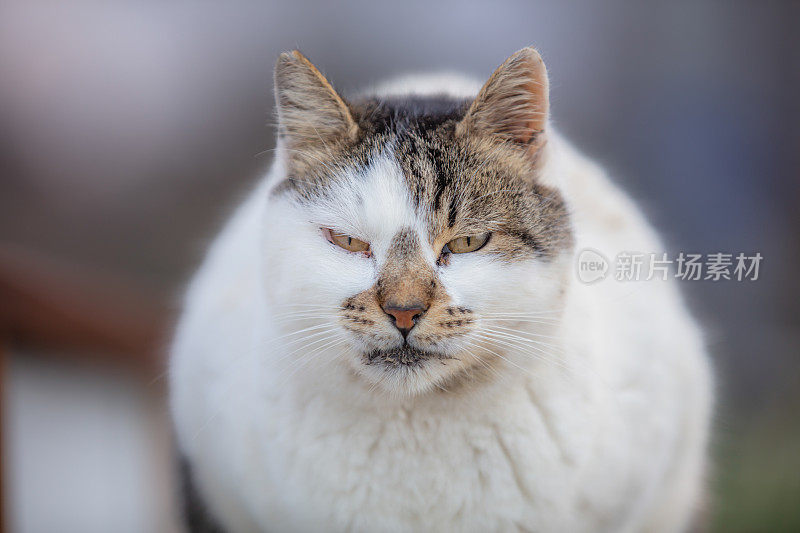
x: 533, y: 121
x: 514, y: 101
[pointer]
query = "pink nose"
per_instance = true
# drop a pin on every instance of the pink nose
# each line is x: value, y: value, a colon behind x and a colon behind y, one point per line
x: 404, y: 317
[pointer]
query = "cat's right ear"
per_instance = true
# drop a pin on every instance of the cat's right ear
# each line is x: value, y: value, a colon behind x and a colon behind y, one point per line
x: 310, y: 112
x: 513, y: 104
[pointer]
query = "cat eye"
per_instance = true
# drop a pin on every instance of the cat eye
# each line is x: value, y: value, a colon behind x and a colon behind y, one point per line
x: 470, y: 243
x: 347, y: 242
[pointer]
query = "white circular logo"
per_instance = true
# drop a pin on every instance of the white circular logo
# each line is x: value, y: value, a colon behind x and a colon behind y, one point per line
x: 592, y: 266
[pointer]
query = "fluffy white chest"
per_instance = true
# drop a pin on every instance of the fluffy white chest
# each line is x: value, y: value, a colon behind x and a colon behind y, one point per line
x: 552, y: 453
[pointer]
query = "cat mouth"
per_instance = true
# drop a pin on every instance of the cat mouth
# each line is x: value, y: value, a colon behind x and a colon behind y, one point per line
x: 402, y: 356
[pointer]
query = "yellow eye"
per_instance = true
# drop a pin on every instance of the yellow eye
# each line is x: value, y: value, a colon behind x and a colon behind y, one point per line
x: 346, y: 241
x: 470, y: 243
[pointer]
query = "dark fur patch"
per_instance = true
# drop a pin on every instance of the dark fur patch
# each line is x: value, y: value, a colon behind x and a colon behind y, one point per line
x: 197, y: 518
x: 395, y: 115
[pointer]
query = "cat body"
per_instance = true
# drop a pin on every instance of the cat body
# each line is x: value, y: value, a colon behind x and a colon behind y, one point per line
x: 519, y: 399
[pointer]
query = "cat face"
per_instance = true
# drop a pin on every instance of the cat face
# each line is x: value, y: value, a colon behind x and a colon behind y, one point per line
x: 418, y: 229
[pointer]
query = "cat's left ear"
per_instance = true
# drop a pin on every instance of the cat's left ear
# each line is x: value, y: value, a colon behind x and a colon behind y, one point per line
x: 513, y: 104
x: 310, y: 112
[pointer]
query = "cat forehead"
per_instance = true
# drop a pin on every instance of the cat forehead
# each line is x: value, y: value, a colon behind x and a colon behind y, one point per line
x: 372, y: 200
x: 404, y: 183
x: 409, y: 169
x: 423, y: 177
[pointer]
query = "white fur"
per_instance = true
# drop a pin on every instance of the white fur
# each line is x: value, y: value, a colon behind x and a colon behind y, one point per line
x: 604, y: 430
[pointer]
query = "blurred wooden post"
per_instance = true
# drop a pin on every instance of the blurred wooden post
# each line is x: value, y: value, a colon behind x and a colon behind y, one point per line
x: 79, y: 313
x: 3, y: 389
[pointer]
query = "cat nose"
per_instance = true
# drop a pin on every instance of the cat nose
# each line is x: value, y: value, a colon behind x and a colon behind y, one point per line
x: 404, y: 317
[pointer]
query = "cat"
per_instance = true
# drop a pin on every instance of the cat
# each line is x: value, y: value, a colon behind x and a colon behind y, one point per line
x: 390, y: 335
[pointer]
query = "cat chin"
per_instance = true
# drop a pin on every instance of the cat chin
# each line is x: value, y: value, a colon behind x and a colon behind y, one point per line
x: 402, y: 356
x: 406, y: 371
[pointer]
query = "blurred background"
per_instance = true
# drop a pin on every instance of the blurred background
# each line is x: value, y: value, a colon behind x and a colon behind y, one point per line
x: 130, y: 130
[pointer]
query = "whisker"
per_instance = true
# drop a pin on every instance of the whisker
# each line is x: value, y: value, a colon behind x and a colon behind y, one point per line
x: 522, y: 334
x: 307, y: 358
x: 330, y: 334
x: 507, y: 360
x: 310, y: 328
x: 517, y: 346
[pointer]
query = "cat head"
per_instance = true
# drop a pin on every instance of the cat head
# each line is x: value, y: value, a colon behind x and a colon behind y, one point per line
x: 413, y: 233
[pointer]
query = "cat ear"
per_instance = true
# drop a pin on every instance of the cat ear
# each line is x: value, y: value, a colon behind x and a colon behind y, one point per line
x: 310, y: 112
x: 513, y: 104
